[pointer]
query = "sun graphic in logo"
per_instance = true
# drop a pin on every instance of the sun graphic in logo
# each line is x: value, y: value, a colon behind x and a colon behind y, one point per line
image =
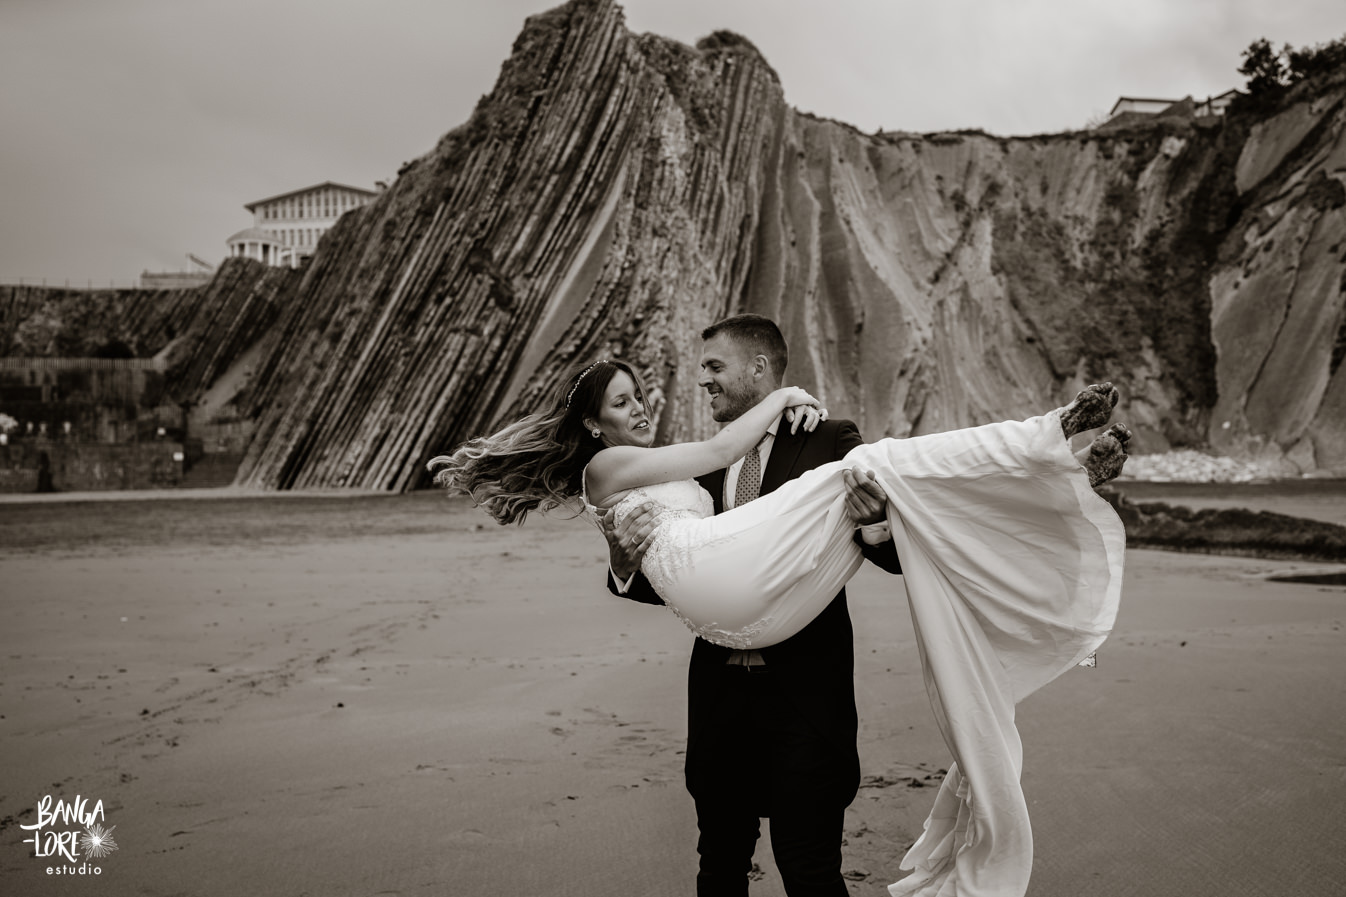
x: 97, y: 842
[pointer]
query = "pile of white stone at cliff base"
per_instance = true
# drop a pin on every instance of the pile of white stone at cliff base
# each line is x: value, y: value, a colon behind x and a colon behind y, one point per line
x: 1189, y: 466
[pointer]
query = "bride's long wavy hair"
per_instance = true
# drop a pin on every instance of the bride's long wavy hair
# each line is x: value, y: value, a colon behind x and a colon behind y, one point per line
x: 536, y: 463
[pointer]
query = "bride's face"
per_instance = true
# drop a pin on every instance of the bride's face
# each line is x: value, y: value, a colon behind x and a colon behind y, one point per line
x: 622, y: 416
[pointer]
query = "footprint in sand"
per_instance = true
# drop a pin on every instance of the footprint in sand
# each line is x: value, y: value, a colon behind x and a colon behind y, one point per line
x: 468, y: 836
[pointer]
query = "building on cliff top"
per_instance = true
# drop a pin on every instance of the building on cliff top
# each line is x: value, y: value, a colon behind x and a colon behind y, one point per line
x: 1144, y: 106
x: 286, y: 228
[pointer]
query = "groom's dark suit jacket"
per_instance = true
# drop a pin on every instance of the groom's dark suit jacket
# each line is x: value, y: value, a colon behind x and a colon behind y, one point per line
x: 816, y: 666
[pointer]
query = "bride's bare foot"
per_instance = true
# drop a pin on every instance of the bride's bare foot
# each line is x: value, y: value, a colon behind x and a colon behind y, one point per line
x: 1091, y: 408
x: 1103, y: 458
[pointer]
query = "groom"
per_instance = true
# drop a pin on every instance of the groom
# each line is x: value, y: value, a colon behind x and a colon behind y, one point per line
x: 770, y: 733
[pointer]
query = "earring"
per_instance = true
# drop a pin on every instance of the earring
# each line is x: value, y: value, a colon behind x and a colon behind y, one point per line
x: 597, y: 432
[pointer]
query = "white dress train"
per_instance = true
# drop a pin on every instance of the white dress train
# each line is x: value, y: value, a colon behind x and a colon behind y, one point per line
x: 1013, y: 569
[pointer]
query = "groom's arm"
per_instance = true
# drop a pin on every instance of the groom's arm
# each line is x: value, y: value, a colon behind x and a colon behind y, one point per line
x: 637, y: 588
x: 868, y: 506
x: 627, y: 544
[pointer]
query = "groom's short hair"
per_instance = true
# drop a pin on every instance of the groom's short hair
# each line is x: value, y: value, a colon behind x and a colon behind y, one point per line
x: 759, y: 335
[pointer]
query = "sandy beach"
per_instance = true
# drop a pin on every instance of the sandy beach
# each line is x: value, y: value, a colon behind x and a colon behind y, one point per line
x: 390, y: 695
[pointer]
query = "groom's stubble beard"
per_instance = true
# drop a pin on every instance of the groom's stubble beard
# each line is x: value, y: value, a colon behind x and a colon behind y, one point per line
x: 739, y: 401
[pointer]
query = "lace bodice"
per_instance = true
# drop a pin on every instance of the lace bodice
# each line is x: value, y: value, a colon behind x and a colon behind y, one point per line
x: 676, y: 539
x: 680, y: 499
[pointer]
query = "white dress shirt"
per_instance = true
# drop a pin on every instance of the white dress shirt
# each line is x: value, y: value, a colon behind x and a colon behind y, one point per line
x: 747, y: 658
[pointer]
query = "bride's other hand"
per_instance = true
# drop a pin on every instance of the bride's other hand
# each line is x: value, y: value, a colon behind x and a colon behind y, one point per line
x: 802, y: 409
x: 628, y: 542
x: 806, y: 416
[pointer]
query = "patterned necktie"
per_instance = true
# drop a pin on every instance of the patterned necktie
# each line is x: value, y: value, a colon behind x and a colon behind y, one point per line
x: 749, y: 484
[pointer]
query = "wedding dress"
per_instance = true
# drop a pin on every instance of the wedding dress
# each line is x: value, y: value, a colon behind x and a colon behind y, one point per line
x: 1013, y: 571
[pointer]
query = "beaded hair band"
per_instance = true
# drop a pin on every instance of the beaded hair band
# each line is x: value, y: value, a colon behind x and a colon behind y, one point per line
x: 584, y: 374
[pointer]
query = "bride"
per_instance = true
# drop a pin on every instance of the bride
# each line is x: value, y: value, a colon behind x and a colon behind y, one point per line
x: 1013, y: 566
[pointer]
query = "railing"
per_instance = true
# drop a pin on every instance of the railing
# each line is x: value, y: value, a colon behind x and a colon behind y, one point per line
x: 82, y: 364
x: 54, y: 283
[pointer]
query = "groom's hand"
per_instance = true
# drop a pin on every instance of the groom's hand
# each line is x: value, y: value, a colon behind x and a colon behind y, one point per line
x: 628, y: 542
x: 865, y: 500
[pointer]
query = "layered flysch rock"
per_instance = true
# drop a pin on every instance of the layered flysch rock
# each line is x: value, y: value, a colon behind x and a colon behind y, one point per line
x: 1278, y: 289
x: 615, y: 193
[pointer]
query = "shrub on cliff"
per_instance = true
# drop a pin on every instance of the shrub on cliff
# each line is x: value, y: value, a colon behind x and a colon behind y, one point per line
x: 1269, y: 71
x: 1264, y: 67
x: 1320, y: 59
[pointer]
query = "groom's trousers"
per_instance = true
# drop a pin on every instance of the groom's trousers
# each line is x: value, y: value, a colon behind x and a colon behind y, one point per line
x: 771, y: 763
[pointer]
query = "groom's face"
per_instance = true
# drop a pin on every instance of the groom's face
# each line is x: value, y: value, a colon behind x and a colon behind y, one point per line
x: 732, y: 376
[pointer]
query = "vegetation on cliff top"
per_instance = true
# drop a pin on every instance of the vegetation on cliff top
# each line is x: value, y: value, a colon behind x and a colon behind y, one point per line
x: 1268, y: 70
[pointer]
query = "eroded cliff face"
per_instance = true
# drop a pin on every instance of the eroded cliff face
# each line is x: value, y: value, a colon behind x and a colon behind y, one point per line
x: 616, y: 193
x: 1278, y: 290
x: 954, y: 279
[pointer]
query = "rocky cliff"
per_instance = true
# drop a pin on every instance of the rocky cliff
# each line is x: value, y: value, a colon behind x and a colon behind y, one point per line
x: 614, y: 193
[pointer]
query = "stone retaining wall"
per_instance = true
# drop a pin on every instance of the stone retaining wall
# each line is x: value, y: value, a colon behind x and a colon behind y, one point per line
x: 41, y: 466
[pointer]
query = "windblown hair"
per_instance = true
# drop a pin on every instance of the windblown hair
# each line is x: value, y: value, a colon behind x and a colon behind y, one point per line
x: 759, y: 335
x: 536, y: 463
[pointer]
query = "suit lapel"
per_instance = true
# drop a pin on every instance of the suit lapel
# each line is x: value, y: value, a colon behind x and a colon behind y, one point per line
x: 784, y: 452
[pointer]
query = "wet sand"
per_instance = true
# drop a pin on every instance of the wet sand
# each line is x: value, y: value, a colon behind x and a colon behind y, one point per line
x: 391, y: 695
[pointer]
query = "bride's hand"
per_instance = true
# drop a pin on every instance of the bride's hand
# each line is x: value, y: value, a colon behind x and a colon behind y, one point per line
x: 805, y: 415
x: 802, y: 409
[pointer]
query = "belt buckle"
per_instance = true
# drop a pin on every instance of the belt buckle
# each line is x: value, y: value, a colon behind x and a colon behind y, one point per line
x: 751, y: 661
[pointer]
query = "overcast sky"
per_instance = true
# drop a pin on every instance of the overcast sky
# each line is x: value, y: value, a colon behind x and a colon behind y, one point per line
x: 132, y: 132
